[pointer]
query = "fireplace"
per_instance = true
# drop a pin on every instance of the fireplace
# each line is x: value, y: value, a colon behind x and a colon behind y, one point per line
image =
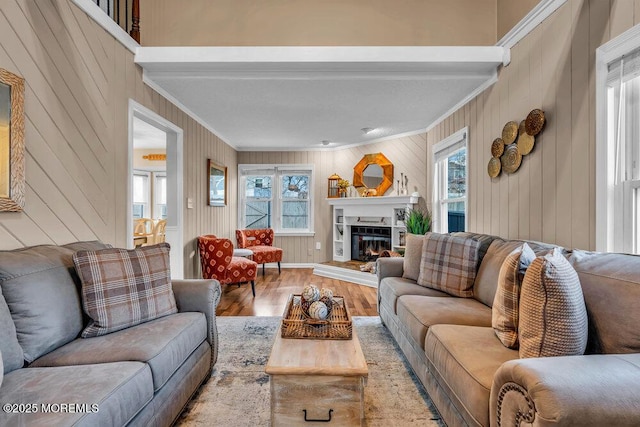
x: 368, y: 242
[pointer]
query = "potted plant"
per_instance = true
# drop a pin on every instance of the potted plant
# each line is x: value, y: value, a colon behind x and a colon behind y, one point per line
x: 343, y: 184
x: 418, y: 221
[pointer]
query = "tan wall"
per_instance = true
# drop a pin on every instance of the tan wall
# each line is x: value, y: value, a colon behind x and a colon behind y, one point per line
x: 318, y: 23
x: 408, y: 155
x: 552, y: 197
x: 510, y: 12
x: 78, y: 82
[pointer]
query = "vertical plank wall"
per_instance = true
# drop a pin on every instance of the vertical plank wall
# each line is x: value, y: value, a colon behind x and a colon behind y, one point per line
x: 78, y: 83
x: 408, y: 155
x: 552, y: 196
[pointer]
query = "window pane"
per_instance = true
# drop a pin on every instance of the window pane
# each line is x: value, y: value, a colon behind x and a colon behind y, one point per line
x: 138, y: 210
x: 140, y: 189
x: 161, y: 190
x: 457, y: 173
x: 258, y: 187
x: 455, y: 216
x: 295, y: 186
x: 258, y: 214
x: 295, y: 214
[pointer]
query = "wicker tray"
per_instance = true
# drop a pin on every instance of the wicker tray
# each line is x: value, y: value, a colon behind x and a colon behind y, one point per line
x: 296, y: 325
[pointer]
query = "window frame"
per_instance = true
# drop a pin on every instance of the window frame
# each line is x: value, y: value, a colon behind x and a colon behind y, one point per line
x: 608, y: 236
x: 276, y: 172
x: 440, y: 181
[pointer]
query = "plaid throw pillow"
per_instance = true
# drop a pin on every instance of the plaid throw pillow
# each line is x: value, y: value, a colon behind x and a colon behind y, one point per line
x: 504, y: 313
x: 553, y: 316
x: 123, y: 288
x: 449, y: 264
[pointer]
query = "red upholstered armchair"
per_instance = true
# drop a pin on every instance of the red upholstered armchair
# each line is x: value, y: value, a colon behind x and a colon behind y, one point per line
x: 218, y: 262
x: 260, y: 242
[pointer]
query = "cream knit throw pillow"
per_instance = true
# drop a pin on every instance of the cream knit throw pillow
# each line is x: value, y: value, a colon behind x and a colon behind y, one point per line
x: 553, y: 316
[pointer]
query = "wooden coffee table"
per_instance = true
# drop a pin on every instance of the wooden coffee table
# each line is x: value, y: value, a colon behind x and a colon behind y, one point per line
x: 317, y: 380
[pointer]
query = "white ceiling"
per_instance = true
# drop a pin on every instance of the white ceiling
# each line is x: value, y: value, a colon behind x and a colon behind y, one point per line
x: 293, y: 98
x: 148, y: 137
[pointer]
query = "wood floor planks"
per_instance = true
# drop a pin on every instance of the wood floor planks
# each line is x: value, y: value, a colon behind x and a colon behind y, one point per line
x: 273, y: 290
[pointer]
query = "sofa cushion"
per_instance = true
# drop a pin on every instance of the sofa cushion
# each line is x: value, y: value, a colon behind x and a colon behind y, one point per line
x: 449, y: 264
x: 553, y: 317
x: 123, y: 288
x: 163, y: 343
x: 101, y: 395
x: 611, y: 287
x: 391, y: 288
x: 41, y: 287
x: 484, y: 288
x: 504, y: 313
x: 10, y: 349
x: 412, y: 256
x: 466, y: 375
x: 419, y: 313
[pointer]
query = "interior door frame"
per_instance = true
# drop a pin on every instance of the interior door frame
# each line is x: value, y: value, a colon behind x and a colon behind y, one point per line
x: 175, y: 137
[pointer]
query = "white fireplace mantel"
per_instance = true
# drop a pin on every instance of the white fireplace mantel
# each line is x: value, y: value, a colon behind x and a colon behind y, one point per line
x: 384, y: 211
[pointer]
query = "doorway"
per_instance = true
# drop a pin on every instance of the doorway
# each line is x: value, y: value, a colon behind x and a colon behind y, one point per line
x: 155, y: 177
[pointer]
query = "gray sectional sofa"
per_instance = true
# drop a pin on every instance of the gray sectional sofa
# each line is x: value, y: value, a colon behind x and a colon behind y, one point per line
x: 143, y: 375
x: 476, y: 381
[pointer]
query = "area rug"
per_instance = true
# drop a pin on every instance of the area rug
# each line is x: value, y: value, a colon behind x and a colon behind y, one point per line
x: 238, y: 392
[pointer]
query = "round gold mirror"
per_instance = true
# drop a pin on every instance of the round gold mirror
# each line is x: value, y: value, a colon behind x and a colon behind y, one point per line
x: 373, y: 175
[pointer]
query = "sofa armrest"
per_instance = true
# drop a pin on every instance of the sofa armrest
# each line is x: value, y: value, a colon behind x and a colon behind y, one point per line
x: 592, y: 390
x: 389, y: 267
x: 203, y: 296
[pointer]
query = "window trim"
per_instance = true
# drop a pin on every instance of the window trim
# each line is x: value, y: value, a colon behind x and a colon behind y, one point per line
x: 276, y: 195
x: 461, y: 136
x: 605, y: 55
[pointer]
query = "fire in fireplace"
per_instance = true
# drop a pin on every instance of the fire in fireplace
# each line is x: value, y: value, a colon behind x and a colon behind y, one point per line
x: 368, y: 242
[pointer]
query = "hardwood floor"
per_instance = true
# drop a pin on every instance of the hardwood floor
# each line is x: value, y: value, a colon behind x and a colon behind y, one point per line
x: 273, y: 290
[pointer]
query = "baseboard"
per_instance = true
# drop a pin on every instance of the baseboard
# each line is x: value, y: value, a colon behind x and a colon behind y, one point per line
x: 344, y: 274
x: 288, y: 265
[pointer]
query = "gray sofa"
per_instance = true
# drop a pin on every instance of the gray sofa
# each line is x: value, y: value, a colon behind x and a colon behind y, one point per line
x: 143, y: 375
x: 476, y: 381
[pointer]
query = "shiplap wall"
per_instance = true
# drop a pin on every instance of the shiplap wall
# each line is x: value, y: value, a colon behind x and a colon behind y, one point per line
x: 408, y: 155
x: 78, y: 82
x: 552, y: 196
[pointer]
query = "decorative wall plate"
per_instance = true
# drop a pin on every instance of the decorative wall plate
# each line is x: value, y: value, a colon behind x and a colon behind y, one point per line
x: 509, y: 132
x: 525, y: 143
x: 534, y: 122
x: 494, y: 167
x: 497, y: 147
x: 511, y: 159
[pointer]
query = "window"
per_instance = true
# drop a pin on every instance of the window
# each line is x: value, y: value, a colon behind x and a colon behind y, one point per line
x: 278, y: 197
x: 450, y: 183
x: 141, y: 205
x: 160, y: 195
x: 618, y: 144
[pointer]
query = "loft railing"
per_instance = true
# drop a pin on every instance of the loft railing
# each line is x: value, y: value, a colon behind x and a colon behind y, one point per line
x: 126, y: 13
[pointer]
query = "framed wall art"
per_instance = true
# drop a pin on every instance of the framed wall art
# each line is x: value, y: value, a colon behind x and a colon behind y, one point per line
x: 216, y: 184
x: 12, y: 181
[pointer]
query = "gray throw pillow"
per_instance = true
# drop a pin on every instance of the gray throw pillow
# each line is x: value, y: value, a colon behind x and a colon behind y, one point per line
x: 123, y: 288
x: 553, y: 316
x: 412, y: 256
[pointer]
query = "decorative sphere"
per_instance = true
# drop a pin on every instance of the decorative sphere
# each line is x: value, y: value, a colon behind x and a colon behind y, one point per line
x: 311, y: 293
x: 318, y: 310
x: 326, y: 292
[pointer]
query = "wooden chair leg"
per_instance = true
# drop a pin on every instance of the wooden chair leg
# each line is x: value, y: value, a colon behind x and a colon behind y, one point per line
x: 278, y: 267
x: 253, y: 287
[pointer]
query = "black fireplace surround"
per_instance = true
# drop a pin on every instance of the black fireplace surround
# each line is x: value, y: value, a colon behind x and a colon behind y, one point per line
x: 368, y: 242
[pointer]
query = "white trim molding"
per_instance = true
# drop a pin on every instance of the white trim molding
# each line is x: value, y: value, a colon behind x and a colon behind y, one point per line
x: 535, y: 17
x: 105, y: 21
x: 605, y: 54
x: 346, y: 275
